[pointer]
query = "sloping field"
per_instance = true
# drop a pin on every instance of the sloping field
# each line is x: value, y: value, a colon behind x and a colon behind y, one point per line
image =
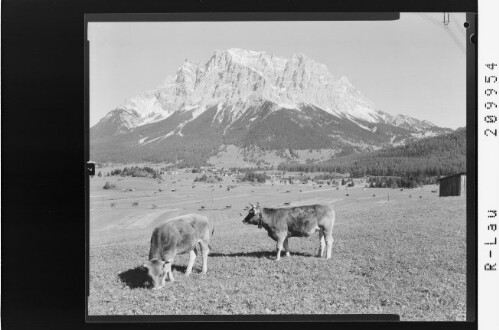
x: 404, y: 256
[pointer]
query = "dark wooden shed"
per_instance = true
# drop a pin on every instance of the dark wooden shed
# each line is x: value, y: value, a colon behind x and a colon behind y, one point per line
x: 453, y: 185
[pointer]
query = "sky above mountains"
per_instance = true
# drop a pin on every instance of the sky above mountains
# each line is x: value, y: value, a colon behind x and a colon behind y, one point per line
x: 411, y: 66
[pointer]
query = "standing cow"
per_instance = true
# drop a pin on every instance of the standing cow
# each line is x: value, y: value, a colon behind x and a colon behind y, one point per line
x: 178, y: 235
x: 299, y: 221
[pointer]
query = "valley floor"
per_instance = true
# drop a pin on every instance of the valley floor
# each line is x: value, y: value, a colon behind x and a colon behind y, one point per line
x: 405, y: 255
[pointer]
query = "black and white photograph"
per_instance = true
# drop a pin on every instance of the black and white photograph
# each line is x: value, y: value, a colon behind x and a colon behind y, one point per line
x: 278, y: 167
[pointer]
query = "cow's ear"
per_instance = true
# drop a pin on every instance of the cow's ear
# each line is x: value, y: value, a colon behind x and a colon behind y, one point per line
x: 146, y: 265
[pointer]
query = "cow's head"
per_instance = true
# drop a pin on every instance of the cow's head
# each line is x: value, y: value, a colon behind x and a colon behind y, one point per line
x: 157, y: 271
x: 254, y: 216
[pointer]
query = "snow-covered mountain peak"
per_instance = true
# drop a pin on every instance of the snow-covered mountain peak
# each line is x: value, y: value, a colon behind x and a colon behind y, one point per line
x: 429, y: 123
x: 235, y: 79
x: 345, y: 81
x: 243, y: 54
x: 188, y: 66
x: 407, y: 121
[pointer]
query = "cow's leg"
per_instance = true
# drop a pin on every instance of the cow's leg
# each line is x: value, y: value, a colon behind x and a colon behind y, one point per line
x: 168, y: 270
x: 163, y: 280
x: 192, y: 258
x: 280, y: 245
x: 322, y: 244
x: 286, y: 247
x: 204, y: 250
x: 329, y: 245
x: 170, y: 276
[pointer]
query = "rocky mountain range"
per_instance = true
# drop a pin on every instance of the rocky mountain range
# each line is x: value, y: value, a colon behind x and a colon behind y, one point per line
x: 248, y: 98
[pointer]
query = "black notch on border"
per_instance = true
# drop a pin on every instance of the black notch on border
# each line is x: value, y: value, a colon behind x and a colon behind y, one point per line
x: 90, y: 168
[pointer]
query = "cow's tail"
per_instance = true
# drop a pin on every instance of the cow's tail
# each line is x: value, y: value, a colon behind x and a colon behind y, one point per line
x: 198, y: 246
x: 212, y: 232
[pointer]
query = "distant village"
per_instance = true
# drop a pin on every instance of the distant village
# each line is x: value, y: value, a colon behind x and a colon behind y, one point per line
x: 453, y: 185
x: 270, y: 176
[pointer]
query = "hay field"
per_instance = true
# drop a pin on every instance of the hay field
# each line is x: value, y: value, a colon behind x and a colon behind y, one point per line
x: 404, y: 256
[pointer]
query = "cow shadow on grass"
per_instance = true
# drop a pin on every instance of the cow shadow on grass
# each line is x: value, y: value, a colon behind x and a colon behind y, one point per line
x: 259, y: 254
x: 137, y: 277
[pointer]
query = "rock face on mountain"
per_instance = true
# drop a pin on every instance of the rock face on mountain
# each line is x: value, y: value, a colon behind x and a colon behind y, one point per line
x: 245, y: 98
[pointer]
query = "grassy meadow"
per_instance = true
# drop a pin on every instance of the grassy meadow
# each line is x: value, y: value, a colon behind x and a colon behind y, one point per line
x: 400, y: 254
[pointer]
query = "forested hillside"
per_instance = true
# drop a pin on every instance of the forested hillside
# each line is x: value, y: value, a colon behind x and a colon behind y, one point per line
x: 434, y: 156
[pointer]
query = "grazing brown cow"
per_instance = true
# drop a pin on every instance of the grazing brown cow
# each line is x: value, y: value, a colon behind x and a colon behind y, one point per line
x: 178, y: 235
x: 298, y: 221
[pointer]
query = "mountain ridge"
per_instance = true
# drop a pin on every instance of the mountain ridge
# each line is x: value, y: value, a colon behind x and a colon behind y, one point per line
x: 234, y: 83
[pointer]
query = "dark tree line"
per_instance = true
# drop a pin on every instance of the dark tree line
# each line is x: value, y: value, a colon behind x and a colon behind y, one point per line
x: 255, y: 177
x: 430, y: 157
x: 136, y: 171
x: 208, y: 179
x: 400, y: 182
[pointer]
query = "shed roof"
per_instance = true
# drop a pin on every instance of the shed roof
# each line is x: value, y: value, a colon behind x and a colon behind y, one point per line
x: 451, y: 176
